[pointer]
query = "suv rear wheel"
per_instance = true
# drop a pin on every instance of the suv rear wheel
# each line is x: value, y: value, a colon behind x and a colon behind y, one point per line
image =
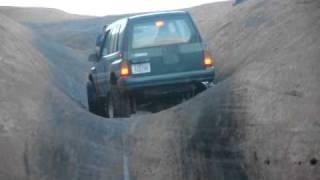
x: 109, y: 107
x: 118, y: 103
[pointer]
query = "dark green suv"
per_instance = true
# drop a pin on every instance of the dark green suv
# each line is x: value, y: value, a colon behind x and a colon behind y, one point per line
x: 145, y: 58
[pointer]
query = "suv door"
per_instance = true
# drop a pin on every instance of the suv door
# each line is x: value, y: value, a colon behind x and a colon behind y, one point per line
x: 110, y: 53
x: 99, y: 72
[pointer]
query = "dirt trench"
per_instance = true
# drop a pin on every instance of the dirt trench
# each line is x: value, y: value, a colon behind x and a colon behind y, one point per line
x: 259, y: 122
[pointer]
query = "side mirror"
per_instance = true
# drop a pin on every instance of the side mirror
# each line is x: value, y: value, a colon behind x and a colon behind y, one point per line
x: 93, y: 58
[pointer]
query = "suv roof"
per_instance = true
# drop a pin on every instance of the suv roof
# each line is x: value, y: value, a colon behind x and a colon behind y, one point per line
x: 157, y: 14
x: 146, y: 15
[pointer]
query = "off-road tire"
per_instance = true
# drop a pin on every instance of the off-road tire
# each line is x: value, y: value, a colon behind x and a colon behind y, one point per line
x: 95, y: 105
x: 109, y: 103
x: 92, y: 100
x: 121, y: 102
x: 133, y: 105
x: 101, y: 109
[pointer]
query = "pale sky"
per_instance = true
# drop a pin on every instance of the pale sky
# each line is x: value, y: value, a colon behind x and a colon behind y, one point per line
x: 106, y: 7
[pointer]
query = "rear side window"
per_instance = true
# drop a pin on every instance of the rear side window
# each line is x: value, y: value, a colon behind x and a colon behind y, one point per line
x: 112, y: 41
x: 161, y: 32
x: 115, y: 39
x: 108, y: 43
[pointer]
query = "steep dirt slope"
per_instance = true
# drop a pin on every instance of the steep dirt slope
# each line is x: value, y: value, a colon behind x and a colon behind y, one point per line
x: 65, y: 40
x: 74, y: 33
x: 20, y: 96
x: 261, y: 121
x: 61, y: 45
x: 39, y: 15
x: 43, y: 133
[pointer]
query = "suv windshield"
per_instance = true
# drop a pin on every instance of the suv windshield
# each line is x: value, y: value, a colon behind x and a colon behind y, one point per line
x: 161, y: 32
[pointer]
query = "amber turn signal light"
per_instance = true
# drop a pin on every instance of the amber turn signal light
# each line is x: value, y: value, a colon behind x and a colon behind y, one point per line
x: 208, y: 60
x: 124, y: 70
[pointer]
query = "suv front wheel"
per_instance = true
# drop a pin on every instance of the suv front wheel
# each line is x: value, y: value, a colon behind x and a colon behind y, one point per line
x: 92, y: 100
x: 95, y: 104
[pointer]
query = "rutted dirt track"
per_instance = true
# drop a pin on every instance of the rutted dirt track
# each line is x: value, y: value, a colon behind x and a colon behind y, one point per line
x: 261, y: 121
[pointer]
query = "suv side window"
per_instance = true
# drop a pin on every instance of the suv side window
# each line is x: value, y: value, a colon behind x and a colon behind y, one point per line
x: 118, y: 38
x: 115, y: 40
x: 112, y: 41
x: 107, y: 44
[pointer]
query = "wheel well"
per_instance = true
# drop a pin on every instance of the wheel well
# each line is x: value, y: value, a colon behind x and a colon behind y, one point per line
x: 113, y: 78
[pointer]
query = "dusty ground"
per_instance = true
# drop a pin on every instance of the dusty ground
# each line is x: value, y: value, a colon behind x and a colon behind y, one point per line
x: 259, y: 122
